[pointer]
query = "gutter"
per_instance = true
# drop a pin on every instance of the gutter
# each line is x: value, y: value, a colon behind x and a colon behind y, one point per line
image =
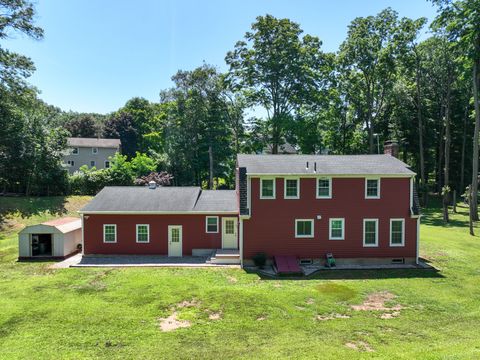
x: 140, y: 212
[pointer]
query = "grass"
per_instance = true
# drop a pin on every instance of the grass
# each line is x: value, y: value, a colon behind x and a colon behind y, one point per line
x: 114, y: 313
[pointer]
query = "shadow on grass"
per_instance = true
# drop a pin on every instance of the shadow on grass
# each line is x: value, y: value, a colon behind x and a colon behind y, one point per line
x: 358, y: 274
x: 31, y: 206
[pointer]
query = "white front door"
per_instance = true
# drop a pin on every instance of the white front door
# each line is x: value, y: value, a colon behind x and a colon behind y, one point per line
x: 229, y: 233
x: 174, y: 240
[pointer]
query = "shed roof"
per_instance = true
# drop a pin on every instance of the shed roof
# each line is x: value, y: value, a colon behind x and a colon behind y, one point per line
x: 64, y: 225
x: 118, y: 199
x: 325, y: 164
x: 93, y: 142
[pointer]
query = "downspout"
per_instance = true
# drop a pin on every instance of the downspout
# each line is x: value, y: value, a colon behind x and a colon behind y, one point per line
x: 418, y: 240
x: 83, y: 242
x: 241, y: 242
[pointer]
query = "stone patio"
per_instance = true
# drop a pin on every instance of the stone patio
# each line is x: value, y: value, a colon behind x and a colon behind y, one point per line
x: 138, y: 261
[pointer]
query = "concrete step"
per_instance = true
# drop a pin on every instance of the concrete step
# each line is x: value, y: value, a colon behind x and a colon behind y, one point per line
x: 219, y: 261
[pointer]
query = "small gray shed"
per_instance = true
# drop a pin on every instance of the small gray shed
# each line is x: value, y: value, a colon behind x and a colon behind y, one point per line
x: 57, y: 238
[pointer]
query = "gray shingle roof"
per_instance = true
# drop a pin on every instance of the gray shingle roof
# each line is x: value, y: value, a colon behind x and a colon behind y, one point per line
x: 217, y: 200
x: 162, y: 199
x: 93, y: 142
x: 325, y: 164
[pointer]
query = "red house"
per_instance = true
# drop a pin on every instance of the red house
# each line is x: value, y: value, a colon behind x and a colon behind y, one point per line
x: 361, y: 208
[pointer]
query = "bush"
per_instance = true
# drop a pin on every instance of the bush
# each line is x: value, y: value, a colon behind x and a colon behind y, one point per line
x: 260, y: 259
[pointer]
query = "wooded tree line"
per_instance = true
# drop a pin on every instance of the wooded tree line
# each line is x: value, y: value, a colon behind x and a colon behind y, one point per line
x: 392, y: 78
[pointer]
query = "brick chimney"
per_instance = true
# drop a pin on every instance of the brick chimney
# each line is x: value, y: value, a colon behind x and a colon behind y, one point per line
x: 391, y: 148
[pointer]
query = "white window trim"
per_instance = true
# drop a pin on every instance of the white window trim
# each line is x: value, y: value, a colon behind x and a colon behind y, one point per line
x: 403, y: 232
x: 274, y: 189
x: 94, y: 163
x: 285, y: 196
x: 105, y: 164
x: 78, y: 151
x: 376, y: 233
x: 95, y: 152
x: 379, y: 182
x: 136, y: 233
x: 305, y: 236
x: 330, y: 228
x: 206, y: 224
x: 329, y: 188
x: 109, y: 242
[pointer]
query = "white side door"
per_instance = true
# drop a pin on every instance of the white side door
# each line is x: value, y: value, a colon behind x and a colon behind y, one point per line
x: 229, y: 233
x: 174, y: 240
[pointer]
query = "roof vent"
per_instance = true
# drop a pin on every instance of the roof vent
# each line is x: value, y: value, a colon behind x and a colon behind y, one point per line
x: 152, y: 185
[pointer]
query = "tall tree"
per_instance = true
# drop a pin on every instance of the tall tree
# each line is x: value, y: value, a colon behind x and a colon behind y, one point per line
x: 369, y: 58
x: 461, y: 19
x: 82, y: 126
x: 277, y: 69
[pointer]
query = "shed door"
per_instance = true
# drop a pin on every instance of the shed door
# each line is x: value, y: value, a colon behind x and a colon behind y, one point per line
x: 174, y: 240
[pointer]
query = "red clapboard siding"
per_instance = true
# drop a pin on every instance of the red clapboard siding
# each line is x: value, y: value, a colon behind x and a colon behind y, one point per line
x: 193, y: 230
x: 271, y: 228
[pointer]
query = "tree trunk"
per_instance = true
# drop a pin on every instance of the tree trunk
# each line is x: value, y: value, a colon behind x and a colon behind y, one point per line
x: 476, y: 100
x: 464, y: 144
x: 446, y: 188
x: 210, y: 159
x: 470, y: 213
x: 420, y: 138
x: 440, y: 148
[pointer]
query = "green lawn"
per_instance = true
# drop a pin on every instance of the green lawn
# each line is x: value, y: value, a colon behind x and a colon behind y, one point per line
x: 105, y: 313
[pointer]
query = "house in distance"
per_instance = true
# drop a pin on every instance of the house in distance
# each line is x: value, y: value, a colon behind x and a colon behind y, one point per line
x: 361, y: 208
x: 92, y: 152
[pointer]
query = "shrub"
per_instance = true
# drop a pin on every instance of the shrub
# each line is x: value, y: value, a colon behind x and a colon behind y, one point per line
x: 260, y: 259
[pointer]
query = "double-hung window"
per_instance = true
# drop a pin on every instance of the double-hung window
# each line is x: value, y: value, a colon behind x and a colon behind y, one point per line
x: 304, y: 228
x: 143, y: 233
x: 397, y: 232
x: 337, y: 229
x: 324, y: 188
x: 109, y: 233
x: 372, y: 188
x: 94, y: 150
x: 267, y: 188
x: 74, y: 151
x: 370, y: 232
x: 211, y: 224
x: 292, y: 188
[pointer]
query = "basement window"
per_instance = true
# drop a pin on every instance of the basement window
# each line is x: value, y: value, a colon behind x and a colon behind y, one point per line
x: 306, y: 261
x: 398, y: 261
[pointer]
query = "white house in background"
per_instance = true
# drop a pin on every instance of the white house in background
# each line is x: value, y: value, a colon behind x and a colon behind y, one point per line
x: 52, y: 239
x: 92, y: 152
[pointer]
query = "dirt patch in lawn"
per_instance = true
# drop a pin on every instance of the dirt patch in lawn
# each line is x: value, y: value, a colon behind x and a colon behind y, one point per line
x: 310, y: 301
x: 261, y: 318
x: 390, y: 315
x: 215, y: 315
x: 188, y: 303
x: 232, y: 280
x: 331, y: 317
x: 172, y: 323
x: 376, y: 302
x: 359, y: 346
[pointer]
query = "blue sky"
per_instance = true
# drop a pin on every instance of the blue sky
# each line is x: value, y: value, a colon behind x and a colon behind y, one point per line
x: 98, y: 54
